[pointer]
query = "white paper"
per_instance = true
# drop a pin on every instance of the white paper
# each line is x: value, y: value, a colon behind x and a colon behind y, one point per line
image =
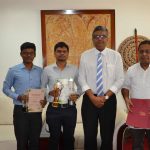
x: 35, y: 96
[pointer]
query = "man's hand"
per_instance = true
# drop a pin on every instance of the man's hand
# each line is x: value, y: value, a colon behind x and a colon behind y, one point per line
x: 43, y: 103
x: 23, y: 98
x: 98, y: 101
x: 73, y: 97
x: 125, y: 94
x: 129, y: 104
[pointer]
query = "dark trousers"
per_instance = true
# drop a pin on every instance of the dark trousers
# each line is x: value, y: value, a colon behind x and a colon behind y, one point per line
x: 65, y: 119
x: 106, y: 116
x: 27, y: 127
x: 138, y: 138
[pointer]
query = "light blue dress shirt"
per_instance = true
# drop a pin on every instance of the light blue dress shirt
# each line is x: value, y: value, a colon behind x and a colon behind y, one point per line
x: 19, y: 79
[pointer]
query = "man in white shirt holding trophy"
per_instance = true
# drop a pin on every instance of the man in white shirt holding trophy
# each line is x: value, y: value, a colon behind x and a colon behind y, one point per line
x: 61, y: 78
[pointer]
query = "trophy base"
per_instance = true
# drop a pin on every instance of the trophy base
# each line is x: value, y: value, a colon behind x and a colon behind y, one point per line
x: 55, y: 104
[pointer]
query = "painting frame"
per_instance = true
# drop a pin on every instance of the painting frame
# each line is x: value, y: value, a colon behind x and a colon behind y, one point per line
x: 46, y: 13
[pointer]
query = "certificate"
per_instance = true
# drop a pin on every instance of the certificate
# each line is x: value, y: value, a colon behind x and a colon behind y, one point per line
x: 140, y: 115
x: 35, y: 96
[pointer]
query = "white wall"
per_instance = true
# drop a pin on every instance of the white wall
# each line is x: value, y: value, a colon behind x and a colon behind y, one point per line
x: 20, y: 22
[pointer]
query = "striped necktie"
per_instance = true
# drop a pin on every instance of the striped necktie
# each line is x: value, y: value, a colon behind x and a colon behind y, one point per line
x: 99, y: 77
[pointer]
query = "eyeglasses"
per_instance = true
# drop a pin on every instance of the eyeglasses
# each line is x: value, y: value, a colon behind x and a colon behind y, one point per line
x: 144, y: 51
x: 97, y: 37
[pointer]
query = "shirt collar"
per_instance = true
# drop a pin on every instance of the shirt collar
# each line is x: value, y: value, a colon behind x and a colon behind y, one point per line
x: 55, y: 65
x: 103, y: 52
x: 141, y: 67
x: 22, y: 66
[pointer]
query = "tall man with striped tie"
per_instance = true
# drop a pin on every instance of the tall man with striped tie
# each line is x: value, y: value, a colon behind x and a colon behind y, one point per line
x: 100, y: 76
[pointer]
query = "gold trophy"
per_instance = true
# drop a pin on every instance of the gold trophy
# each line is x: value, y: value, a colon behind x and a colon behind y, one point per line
x: 58, y: 86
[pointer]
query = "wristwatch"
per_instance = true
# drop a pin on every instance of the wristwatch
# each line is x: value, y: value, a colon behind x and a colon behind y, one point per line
x: 106, y: 97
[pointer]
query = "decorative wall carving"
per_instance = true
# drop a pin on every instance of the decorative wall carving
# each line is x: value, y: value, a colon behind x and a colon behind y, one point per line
x: 128, y: 51
x: 75, y: 28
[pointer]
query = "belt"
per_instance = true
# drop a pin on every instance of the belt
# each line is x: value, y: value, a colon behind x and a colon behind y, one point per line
x: 20, y: 107
x: 62, y: 105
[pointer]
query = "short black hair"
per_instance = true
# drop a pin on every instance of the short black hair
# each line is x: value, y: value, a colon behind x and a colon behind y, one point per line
x: 100, y: 28
x: 61, y: 44
x: 28, y: 45
x: 143, y: 43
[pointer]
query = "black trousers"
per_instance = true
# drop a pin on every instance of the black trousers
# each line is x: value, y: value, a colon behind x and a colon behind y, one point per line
x: 27, y: 127
x: 106, y: 116
x: 138, y: 138
x: 65, y: 119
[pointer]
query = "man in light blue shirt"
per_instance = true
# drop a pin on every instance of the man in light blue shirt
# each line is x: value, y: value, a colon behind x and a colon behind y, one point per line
x: 20, y: 78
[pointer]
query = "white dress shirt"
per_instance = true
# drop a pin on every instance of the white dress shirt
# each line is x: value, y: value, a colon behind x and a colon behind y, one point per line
x: 137, y: 81
x: 113, y: 75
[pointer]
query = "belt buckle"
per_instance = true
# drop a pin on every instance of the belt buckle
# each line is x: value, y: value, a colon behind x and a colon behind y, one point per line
x: 63, y: 105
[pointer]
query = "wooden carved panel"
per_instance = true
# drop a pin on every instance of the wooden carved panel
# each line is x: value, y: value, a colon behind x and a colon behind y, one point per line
x: 74, y: 27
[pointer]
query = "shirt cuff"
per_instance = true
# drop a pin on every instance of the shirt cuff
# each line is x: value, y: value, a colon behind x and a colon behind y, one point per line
x: 125, y: 87
x: 114, y: 89
x: 85, y: 88
x: 15, y: 96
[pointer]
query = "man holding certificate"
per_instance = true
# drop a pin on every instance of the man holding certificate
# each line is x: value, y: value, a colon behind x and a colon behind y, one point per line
x: 22, y: 84
x: 62, y: 94
x: 136, y: 92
